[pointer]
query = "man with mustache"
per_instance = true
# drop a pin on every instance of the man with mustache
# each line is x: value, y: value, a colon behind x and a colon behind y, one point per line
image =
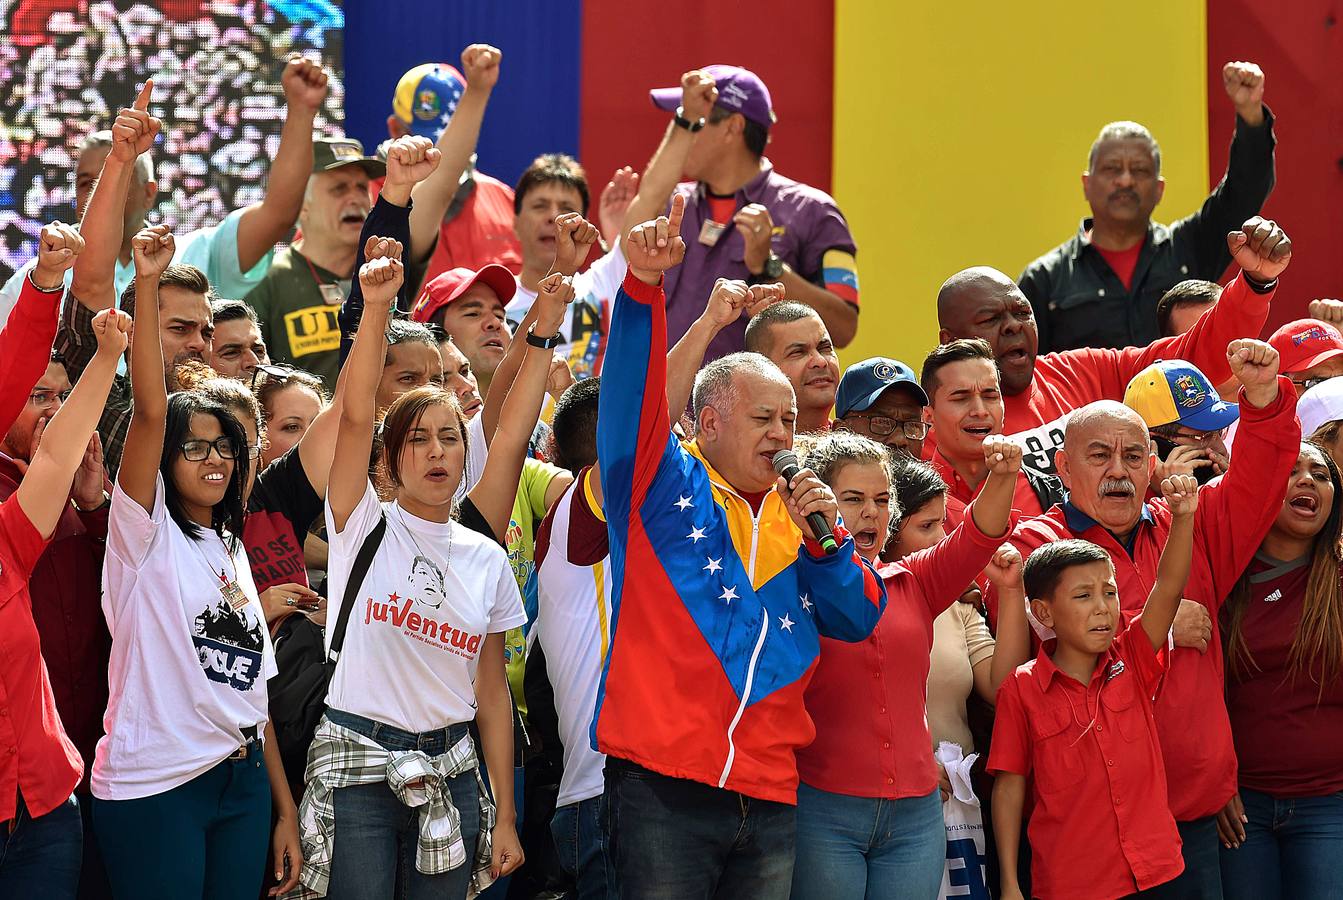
x: 1100, y: 288
x: 1039, y: 391
x: 1106, y: 463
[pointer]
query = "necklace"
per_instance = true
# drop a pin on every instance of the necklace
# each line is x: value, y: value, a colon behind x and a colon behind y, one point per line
x: 447, y: 563
x: 228, y: 584
x: 331, y: 293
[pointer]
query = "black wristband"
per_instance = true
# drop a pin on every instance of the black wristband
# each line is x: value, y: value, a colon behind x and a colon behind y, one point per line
x: 1260, y: 287
x: 682, y: 122
x: 543, y: 343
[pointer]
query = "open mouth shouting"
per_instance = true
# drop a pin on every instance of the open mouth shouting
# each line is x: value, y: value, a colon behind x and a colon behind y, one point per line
x: 437, y: 475
x: 1304, y: 505
x: 866, y: 540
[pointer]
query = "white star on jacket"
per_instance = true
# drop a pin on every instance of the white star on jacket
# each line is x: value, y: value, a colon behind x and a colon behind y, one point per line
x: 683, y: 504
x: 806, y: 604
x: 695, y: 535
x: 729, y: 594
x: 714, y: 565
x: 786, y: 623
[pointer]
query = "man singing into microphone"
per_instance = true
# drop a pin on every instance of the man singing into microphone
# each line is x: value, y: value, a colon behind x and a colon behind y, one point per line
x: 720, y: 593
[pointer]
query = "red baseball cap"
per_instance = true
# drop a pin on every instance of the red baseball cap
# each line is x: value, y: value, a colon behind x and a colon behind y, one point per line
x: 448, y: 286
x: 1306, y: 343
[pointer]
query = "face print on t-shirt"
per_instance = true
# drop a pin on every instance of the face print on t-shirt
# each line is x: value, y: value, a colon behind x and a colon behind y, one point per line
x: 427, y: 581
x: 229, y: 643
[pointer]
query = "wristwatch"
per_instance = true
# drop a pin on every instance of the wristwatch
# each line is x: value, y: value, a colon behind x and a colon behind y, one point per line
x: 682, y: 122
x: 772, y: 271
x: 543, y: 343
x: 107, y: 501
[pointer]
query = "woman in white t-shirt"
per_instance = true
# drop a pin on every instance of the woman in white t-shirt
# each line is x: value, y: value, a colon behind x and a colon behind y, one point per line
x: 394, y: 803
x: 183, y: 785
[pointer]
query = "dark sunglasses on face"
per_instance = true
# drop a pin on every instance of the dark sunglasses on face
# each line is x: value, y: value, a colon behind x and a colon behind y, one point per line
x: 279, y: 371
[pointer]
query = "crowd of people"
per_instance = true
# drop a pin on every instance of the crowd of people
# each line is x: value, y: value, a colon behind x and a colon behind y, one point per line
x: 530, y: 542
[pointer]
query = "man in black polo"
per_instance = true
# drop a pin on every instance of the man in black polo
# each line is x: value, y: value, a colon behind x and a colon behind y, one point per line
x: 1100, y: 288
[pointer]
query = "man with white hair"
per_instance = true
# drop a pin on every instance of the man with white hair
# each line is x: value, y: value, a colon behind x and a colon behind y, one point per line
x: 1100, y: 287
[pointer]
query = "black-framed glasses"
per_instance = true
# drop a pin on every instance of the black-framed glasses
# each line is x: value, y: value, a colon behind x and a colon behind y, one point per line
x: 882, y: 426
x: 45, y: 398
x: 1306, y: 384
x: 279, y: 371
x: 198, y: 450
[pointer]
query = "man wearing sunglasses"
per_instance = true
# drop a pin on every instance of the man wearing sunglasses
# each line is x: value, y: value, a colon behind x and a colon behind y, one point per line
x: 880, y: 398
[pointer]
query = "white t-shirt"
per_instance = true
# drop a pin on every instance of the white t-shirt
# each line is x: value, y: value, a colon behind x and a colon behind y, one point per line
x: 188, y: 670
x: 573, y: 627
x: 432, y: 594
x: 588, y: 317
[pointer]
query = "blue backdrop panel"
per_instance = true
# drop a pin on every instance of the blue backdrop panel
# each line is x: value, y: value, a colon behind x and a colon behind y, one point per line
x: 534, y: 108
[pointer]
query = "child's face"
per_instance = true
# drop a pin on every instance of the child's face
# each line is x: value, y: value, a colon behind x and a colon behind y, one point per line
x: 1084, y: 608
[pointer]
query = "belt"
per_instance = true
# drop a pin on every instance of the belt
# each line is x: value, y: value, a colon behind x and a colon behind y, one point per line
x: 250, y: 738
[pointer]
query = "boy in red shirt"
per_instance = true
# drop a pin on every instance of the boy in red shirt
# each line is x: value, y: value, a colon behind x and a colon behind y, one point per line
x: 1078, y: 718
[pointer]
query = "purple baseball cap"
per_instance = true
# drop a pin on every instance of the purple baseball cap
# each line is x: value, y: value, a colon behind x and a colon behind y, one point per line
x: 739, y: 90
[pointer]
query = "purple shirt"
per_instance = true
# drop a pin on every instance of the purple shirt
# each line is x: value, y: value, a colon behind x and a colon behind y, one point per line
x: 807, y: 223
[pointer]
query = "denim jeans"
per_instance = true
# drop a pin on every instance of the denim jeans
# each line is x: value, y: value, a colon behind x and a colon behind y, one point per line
x: 376, y: 834
x: 582, y: 849
x: 40, y: 857
x: 205, y: 838
x: 849, y: 848
x: 1202, y: 875
x: 675, y: 839
x: 1293, y: 849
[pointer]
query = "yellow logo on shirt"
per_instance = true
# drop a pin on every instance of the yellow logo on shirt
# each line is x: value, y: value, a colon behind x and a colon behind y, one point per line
x: 314, y: 329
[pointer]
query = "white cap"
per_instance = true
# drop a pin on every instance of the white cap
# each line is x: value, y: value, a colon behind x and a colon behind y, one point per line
x: 1321, y: 404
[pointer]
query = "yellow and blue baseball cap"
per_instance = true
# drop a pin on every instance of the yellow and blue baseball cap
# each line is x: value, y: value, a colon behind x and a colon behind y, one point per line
x: 426, y: 97
x: 863, y: 382
x: 1175, y: 391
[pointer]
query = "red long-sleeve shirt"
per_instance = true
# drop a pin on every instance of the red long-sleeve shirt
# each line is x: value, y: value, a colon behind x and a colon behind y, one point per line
x: 1234, y: 514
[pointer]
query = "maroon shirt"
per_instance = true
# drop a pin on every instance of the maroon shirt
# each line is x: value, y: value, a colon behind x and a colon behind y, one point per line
x: 1287, y: 731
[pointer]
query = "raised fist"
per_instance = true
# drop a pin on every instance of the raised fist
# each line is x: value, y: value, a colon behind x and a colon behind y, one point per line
x: 756, y: 228
x: 480, y: 65
x: 1004, y: 570
x: 574, y: 237
x: 561, y: 377
x: 698, y: 94
x: 112, y: 328
x: 1260, y: 248
x: 57, y: 248
x: 762, y: 295
x: 656, y: 245
x: 135, y: 129
x: 380, y: 279
x: 304, y: 83
x: 1244, y: 83
x: 1326, y: 310
x: 380, y: 247
x: 152, y: 249
x: 1001, y: 455
x: 555, y: 293
x: 726, y: 302
x: 1254, y: 363
x: 1181, y: 492
x: 410, y: 160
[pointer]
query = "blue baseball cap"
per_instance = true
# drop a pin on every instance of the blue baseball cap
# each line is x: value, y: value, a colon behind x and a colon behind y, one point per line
x: 1175, y: 391
x: 863, y: 382
x: 426, y: 97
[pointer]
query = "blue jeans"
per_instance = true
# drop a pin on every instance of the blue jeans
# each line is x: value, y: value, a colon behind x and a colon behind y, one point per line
x: 1202, y: 875
x: 1293, y: 848
x: 860, y: 847
x: 376, y: 834
x: 206, y: 838
x: 41, y: 857
x: 675, y: 839
x: 582, y: 849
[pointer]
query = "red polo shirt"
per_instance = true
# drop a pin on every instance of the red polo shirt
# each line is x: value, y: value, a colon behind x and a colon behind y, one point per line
x: 36, y: 757
x: 959, y: 493
x: 1100, y: 827
x: 867, y: 699
x: 1064, y: 381
x: 1234, y: 513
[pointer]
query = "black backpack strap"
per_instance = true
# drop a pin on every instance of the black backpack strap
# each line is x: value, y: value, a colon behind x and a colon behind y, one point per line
x: 362, y: 560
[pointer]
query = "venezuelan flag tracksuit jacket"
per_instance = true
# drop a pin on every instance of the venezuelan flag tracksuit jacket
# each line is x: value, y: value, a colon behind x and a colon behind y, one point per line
x: 717, y: 610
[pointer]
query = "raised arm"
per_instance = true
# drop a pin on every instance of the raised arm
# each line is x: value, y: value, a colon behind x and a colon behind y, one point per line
x: 1181, y: 492
x: 380, y: 278
x: 45, y: 489
x: 133, y: 133
x: 317, y: 447
x: 153, y: 250
x: 494, y: 494
x: 992, y: 509
x: 726, y: 303
x: 263, y: 224
x: 1012, y: 644
x: 457, y: 143
x: 574, y: 237
x: 25, y: 339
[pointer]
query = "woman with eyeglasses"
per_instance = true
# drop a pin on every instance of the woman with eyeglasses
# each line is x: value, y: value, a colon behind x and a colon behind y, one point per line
x: 184, y: 783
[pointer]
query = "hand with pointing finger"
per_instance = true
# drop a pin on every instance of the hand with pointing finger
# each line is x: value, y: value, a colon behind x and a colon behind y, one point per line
x: 135, y: 129
x: 656, y: 245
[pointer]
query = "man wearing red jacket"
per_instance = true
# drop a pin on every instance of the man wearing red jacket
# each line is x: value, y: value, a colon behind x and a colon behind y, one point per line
x: 1106, y: 463
x: 1039, y: 391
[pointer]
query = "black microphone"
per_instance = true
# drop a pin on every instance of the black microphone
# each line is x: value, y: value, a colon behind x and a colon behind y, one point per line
x: 786, y: 464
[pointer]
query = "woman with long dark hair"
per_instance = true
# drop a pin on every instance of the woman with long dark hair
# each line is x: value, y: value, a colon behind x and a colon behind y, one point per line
x: 183, y: 783
x: 1282, y: 626
x: 394, y: 804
